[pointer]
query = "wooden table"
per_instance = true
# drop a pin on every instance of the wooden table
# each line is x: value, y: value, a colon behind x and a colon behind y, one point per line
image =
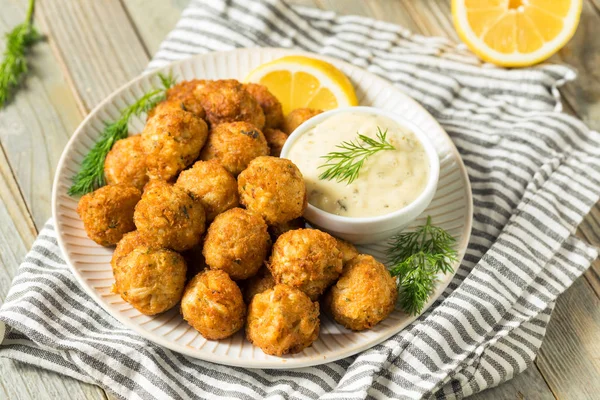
x: 93, y: 47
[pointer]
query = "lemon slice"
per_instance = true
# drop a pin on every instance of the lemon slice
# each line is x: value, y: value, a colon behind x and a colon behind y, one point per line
x: 516, y: 33
x: 304, y: 82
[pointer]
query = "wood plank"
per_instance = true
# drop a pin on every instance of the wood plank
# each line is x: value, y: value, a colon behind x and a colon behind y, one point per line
x: 97, y: 44
x: 570, y: 354
x: 36, y: 124
x: 155, y: 22
x: 17, y: 233
x: 583, y: 53
x: 525, y: 386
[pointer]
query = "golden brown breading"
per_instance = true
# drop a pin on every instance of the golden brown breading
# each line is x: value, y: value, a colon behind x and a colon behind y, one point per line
x: 107, y: 213
x: 296, y: 117
x: 151, y: 280
x: 212, y: 185
x: 260, y: 282
x: 168, y: 217
x: 269, y: 104
x: 126, y: 245
x: 307, y: 259
x: 226, y: 100
x: 126, y: 163
x: 273, y: 188
x: 347, y: 249
x: 234, y: 145
x: 275, y: 139
x: 172, y: 140
x: 364, y: 295
x: 182, y: 97
x: 237, y: 242
x: 282, y: 320
x: 213, y: 305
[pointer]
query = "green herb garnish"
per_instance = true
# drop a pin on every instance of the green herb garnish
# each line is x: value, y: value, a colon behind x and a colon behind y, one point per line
x: 91, y: 175
x: 345, y: 165
x: 416, y: 258
x: 14, y: 64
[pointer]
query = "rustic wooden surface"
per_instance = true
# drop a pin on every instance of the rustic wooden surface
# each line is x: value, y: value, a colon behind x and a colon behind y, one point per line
x: 94, y: 47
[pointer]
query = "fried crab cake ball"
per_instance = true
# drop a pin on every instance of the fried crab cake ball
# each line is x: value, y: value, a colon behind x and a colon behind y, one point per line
x: 269, y: 104
x: 237, y: 242
x: 296, y: 117
x: 364, y: 295
x: 227, y: 101
x: 282, y: 320
x: 273, y: 188
x: 277, y: 230
x: 234, y: 145
x: 126, y: 163
x: 212, y: 303
x: 172, y: 141
x: 275, y: 139
x: 182, y: 97
x: 150, y: 279
x: 258, y: 284
x: 125, y: 246
x: 168, y: 217
x: 107, y: 213
x: 347, y: 249
x: 307, y: 259
x: 212, y: 185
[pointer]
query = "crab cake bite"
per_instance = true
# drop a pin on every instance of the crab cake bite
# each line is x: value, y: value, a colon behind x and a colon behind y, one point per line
x: 237, y: 242
x: 270, y: 105
x: 282, y: 320
x: 227, y: 101
x: 181, y: 96
x: 273, y: 188
x: 234, y: 145
x: 213, y: 305
x: 307, y: 259
x: 126, y: 163
x: 212, y: 185
x: 172, y: 141
x: 150, y: 279
x: 296, y: 117
x: 347, y: 249
x: 168, y: 217
x: 125, y: 246
x: 258, y: 284
x: 107, y: 213
x: 364, y: 295
x: 275, y: 139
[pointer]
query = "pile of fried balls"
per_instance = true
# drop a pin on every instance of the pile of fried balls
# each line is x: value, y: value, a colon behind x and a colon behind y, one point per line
x: 204, y: 213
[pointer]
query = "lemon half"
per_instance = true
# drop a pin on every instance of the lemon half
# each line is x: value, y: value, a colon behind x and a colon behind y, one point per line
x: 516, y: 33
x: 304, y: 82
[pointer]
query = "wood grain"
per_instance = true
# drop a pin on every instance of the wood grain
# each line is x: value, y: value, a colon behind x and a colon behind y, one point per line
x: 154, y: 23
x: 97, y: 44
x: 570, y: 354
x: 37, y: 123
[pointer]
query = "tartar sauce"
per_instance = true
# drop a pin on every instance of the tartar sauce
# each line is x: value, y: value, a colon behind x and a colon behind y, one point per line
x: 389, y: 179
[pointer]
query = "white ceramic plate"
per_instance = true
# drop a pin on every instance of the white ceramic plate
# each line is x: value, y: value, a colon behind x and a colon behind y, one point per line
x: 451, y: 209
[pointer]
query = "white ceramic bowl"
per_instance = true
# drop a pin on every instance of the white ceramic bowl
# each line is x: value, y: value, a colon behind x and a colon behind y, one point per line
x: 366, y: 230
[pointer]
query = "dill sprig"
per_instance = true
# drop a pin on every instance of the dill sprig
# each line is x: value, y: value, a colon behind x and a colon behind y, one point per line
x: 345, y: 165
x: 416, y: 258
x: 14, y: 63
x: 91, y: 175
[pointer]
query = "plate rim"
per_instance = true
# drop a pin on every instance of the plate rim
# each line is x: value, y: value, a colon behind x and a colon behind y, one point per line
x: 281, y: 363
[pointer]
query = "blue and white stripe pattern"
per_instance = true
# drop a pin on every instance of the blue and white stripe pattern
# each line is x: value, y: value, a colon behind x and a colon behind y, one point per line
x: 534, y: 171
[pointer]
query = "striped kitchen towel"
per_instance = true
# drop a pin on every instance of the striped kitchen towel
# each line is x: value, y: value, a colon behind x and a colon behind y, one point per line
x: 535, y: 173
